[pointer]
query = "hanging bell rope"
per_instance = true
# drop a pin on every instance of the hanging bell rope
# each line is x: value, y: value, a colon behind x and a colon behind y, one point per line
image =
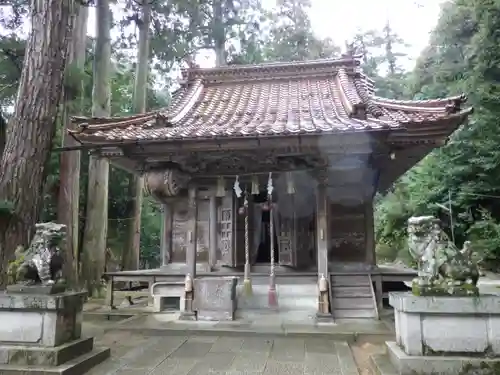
x: 247, y: 282
x: 272, y: 298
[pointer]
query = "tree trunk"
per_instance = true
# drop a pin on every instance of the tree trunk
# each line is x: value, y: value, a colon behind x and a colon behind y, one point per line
x: 96, y: 222
x: 130, y: 258
x: 69, y: 170
x: 33, y: 125
x: 219, y: 34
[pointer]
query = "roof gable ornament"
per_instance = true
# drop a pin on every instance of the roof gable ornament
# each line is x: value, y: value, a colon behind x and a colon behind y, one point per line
x: 455, y: 104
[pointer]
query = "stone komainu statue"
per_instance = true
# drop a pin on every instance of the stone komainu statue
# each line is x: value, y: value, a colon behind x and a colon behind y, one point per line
x: 443, y: 268
x: 42, y: 262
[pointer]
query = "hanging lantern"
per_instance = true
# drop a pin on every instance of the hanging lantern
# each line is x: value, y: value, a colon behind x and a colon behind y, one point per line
x: 290, y: 185
x: 255, y: 185
x: 221, y: 187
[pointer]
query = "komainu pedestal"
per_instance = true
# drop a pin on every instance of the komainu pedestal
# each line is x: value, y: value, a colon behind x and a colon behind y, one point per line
x: 445, y: 326
x: 444, y: 335
x: 41, y: 334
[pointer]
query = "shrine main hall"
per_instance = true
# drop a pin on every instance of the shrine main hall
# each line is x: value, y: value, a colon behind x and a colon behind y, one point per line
x: 269, y: 172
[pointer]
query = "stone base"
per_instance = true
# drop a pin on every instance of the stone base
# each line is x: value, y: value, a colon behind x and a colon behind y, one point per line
x: 36, y: 289
x: 77, y: 366
x: 436, y: 365
x: 215, y: 298
x: 41, y: 356
x: 40, y: 320
x: 40, y: 334
x: 450, y: 326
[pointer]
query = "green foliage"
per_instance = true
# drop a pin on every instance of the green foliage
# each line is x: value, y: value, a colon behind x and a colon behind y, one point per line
x: 74, y: 81
x: 13, y: 267
x: 463, y: 56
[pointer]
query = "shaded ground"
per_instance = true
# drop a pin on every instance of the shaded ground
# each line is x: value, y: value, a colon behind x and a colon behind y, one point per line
x: 202, y: 355
x: 134, y: 352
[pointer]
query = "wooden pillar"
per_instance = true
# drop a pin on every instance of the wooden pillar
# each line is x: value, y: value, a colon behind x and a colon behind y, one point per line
x: 322, y: 248
x: 166, y: 234
x: 188, y: 313
x: 192, y: 232
x: 212, y: 255
x: 369, y: 233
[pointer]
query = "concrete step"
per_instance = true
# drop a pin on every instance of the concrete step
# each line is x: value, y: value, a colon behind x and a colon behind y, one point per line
x: 351, y: 292
x: 290, y: 297
x: 353, y: 303
x: 356, y: 313
x: 382, y: 365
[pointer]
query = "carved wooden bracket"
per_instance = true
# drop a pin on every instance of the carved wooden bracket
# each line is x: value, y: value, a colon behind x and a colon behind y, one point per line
x: 165, y: 184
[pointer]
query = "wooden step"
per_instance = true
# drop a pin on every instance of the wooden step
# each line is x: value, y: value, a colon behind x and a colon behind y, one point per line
x: 350, y: 280
x: 354, y: 313
x: 351, y: 292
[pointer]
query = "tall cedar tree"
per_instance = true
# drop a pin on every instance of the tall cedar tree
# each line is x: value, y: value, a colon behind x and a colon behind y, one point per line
x: 33, y: 125
x: 69, y: 170
x: 96, y: 221
x: 136, y: 183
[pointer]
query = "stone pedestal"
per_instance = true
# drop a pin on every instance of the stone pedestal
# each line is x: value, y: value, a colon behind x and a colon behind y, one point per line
x: 162, y: 290
x: 43, y: 331
x: 215, y: 298
x: 443, y: 334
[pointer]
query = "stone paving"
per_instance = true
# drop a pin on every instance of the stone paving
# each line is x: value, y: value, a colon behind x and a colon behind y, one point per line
x: 134, y: 354
x: 258, y: 322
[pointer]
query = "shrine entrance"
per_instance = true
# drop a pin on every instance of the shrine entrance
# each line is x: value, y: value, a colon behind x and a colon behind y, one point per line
x: 264, y: 247
x: 262, y: 235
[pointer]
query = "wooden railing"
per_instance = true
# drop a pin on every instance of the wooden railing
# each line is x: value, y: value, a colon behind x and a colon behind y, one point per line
x: 375, y: 303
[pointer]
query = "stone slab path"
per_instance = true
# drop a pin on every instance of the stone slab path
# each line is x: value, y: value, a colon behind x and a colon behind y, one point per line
x: 134, y: 354
x: 260, y: 323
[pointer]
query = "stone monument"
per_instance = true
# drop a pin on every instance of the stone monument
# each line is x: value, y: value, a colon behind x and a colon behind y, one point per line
x: 444, y: 326
x: 40, y: 321
x: 215, y: 298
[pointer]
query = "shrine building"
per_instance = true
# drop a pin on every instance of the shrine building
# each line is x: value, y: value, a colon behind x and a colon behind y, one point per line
x: 272, y: 169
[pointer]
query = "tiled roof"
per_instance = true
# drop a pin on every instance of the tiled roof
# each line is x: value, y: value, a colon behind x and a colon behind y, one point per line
x: 323, y: 96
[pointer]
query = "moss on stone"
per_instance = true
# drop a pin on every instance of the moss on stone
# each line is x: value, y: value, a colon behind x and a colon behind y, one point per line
x: 463, y: 290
